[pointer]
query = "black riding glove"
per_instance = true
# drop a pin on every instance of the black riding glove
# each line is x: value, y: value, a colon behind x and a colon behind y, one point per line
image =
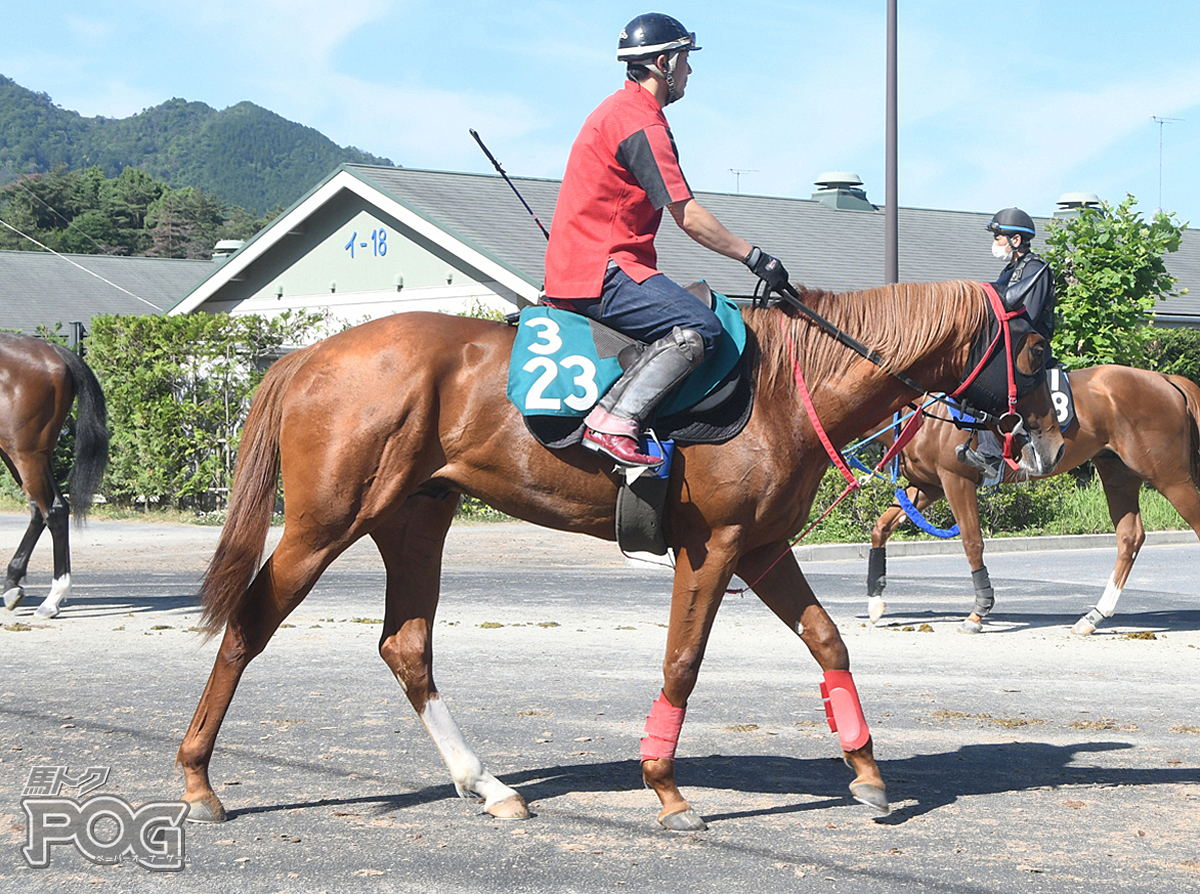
x: 767, y: 268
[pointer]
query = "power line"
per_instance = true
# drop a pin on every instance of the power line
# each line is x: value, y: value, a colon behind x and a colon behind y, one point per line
x: 93, y: 273
x: 70, y: 224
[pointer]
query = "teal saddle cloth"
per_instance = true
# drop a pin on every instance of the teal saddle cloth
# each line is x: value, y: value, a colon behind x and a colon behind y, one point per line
x: 563, y: 362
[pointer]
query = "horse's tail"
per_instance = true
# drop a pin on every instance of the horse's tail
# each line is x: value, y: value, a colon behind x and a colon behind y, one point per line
x: 91, y: 434
x: 251, y: 500
x: 1191, y: 397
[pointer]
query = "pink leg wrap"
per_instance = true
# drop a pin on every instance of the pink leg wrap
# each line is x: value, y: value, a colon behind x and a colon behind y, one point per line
x: 843, y: 711
x: 662, y: 730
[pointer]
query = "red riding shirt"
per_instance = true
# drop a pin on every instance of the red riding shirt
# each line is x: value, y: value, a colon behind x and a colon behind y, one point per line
x: 622, y: 171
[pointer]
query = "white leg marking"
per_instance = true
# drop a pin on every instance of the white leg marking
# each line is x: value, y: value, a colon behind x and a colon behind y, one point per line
x: 470, y: 779
x: 875, y: 608
x: 59, y: 592
x: 1108, y: 602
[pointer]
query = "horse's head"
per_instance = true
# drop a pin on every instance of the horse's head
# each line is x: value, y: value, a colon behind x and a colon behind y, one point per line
x: 1033, y: 422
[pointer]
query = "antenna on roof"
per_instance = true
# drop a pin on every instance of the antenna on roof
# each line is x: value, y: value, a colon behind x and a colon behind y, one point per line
x: 737, y: 173
x: 496, y: 165
x: 1161, y: 122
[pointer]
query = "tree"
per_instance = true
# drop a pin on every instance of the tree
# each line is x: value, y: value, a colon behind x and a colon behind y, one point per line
x: 1109, y: 274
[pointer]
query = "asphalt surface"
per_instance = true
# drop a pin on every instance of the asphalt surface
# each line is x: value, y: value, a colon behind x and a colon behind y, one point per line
x: 1024, y: 759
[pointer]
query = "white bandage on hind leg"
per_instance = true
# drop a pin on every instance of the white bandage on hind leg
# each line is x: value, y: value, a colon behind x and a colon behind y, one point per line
x: 843, y: 710
x: 1107, y: 605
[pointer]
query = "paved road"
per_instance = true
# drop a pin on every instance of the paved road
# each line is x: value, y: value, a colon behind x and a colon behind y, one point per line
x: 1021, y: 760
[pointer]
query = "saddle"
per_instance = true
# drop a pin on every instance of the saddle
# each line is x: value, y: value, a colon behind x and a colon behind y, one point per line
x: 563, y: 362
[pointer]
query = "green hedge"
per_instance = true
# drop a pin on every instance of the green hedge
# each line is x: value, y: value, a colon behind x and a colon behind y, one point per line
x: 178, y: 389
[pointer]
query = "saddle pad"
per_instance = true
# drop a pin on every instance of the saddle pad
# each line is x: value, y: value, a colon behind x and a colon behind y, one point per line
x: 562, y: 362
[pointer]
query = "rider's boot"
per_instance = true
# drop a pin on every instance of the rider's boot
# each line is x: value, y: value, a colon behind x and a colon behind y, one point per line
x: 614, y: 425
x: 989, y: 465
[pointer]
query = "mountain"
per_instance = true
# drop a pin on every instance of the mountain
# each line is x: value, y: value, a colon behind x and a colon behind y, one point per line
x: 247, y: 155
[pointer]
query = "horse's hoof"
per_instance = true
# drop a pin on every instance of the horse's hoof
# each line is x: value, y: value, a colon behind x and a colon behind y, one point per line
x: 13, y: 597
x: 969, y: 626
x: 1087, y: 625
x: 208, y: 809
x: 874, y: 796
x: 875, y: 609
x: 510, y: 808
x: 683, y: 821
x: 46, y: 612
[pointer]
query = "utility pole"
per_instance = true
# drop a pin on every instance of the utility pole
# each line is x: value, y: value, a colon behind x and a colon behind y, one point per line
x: 737, y: 173
x: 891, y: 238
x: 1161, y: 122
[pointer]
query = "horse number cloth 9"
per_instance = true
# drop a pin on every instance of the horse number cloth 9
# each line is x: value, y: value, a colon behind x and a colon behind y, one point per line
x: 557, y: 368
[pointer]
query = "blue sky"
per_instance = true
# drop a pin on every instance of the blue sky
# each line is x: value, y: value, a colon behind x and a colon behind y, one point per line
x: 1000, y: 104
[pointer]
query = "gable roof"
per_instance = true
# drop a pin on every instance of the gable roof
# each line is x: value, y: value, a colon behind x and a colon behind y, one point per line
x: 41, y: 287
x: 478, y: 217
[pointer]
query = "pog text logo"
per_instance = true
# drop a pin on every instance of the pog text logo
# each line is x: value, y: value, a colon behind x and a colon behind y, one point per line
x: 104, y: 828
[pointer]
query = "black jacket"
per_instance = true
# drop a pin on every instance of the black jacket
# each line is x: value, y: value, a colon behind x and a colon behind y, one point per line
x: 1029, y: 281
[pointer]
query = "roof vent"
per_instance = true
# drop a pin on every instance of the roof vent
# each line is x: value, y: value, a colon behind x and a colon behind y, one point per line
x: 226, y: 247
x: 1071, y: 203
x: 842, y: 190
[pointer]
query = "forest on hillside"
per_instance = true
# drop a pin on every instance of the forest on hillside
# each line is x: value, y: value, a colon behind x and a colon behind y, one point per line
x: 85, y: 212
x: 249, y: 156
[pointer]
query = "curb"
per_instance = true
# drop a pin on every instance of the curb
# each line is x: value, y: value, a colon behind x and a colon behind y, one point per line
x: 833, y: 552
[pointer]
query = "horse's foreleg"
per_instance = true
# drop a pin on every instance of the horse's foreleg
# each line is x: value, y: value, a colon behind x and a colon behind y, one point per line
x: 411, y: 545
x: 964, y: 504
x: 701, y: 575
x: 877, y: 560
x: 280, y: 585
x: 13, y: 591
x: 786, y: 592
x: 1121, y: 490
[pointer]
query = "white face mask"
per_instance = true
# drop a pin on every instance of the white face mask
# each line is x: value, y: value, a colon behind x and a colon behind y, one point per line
x: 1001, y: 252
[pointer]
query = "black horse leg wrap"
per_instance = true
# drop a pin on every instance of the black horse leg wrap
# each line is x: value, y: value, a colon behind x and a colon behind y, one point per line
x: 876, y: 570
x: 985, y: 596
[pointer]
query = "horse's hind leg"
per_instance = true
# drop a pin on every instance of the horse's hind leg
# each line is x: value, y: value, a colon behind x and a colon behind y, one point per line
x: 411, y: 544
x: 14, y: 593
x: 280, y: 585
x: 785, y: 591
x: 1121, y: 489
x: 48, y: 509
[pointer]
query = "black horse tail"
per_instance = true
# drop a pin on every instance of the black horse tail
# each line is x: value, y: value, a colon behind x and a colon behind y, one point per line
x: 91, y: 434
x: 1191, y: 397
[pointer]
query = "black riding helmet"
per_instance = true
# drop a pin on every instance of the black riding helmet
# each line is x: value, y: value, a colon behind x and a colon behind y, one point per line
x: 1011, y: 220
x: 649, y: 36
x: 652, y: 34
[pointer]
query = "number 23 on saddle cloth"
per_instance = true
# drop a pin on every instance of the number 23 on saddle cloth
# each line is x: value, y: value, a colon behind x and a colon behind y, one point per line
x: 563, y: 362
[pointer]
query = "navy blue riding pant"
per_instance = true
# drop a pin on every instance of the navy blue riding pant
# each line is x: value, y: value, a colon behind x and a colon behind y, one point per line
x: 649, y: 310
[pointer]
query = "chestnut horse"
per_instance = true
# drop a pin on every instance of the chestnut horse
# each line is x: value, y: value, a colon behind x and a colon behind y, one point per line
x: 378, y: 429
x: 1134, y: 425
x: 38, y: 383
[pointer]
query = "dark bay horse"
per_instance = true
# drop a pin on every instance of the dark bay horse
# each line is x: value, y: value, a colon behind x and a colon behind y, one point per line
x: 1134, y: 425
x: 377, y: 430
x: 39, y: 381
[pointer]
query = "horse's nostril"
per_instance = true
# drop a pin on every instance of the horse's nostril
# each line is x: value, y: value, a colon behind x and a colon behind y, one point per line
x: 1062, y: 448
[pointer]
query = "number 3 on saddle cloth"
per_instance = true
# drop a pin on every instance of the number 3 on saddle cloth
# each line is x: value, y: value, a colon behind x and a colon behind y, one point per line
x: 562, y: 364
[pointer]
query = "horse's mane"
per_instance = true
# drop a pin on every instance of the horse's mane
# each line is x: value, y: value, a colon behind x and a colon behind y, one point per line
x: 902, y: 323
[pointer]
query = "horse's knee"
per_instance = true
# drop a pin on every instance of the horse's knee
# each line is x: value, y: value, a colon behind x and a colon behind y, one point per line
x: 825, y: 643
x: 681, y: 671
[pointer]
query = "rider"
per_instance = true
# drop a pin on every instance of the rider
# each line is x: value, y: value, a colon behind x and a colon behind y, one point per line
x: 622, y: 171
x: 1027, y: 281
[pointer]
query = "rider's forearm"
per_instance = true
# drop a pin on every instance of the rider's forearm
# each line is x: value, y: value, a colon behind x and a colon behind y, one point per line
x: 699, y: 223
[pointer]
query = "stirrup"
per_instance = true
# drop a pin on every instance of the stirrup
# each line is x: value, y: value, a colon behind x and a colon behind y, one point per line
x: 990, y: 466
